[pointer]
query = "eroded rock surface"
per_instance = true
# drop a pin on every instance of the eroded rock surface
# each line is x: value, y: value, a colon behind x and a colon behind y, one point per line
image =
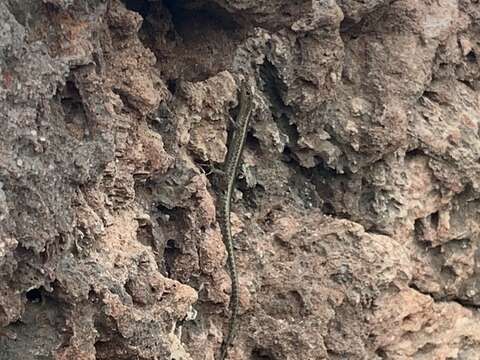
x: 357, y: 210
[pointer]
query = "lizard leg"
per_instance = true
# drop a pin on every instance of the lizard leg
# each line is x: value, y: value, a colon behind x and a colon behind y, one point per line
x: 209, y: 169
x: 233, y: 123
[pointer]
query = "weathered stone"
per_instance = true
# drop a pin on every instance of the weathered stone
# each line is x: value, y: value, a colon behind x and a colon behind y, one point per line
x: 356, y: 212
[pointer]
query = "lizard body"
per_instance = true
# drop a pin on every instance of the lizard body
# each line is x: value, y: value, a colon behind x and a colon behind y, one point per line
x: 225, y: 200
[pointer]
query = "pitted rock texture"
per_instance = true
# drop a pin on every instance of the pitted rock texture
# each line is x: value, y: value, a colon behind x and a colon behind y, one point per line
x: 357, y: 209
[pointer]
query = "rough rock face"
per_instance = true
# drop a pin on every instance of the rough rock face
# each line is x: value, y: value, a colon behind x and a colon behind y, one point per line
x: 357, y: 210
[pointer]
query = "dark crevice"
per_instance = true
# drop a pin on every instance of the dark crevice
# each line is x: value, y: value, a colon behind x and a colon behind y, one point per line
x: 273, y: 88
x: 414, y: 153
x: 172, y: 86
x: 374, y: 229
x: 252, y: 196
x: 465, y: 303
x: 140, y: 6
x: 325, y: 172
x: 468, y: 83
x: 182, y: 11
x: 445, y: 299
x: 471, y: 56
x: 321, y: 176
x: 169, y: 255
x: 355, y: 27
x: 72, y: 104
x: 414, y: 286
x: 368, y: 196
x: 129, y: 288
x: 34, y: 296
x: 192, y: 40
x: 252, y: 143
x: 125, y: 98
x: 302, y: 181
x: 419, y: 231
x: 167, y: 211
x: 351, y: 27
x: 434, y: 219
x: 328, y: 208
x: 381, y: 353
x: 262, y: 354
x: 427, y: 348
x: 172, y: 224
x: 431, y: 95
x: 288, y: 157
x: 448, y: 273
x: 437, y: 298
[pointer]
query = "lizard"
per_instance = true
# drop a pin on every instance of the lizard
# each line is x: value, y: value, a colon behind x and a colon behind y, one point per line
x: 230, y: 171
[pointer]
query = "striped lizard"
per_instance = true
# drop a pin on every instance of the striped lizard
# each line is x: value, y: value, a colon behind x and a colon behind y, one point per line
x: 230, y: 171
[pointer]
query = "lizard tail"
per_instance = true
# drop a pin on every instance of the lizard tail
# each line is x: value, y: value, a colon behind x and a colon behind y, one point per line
x: 233, y: 304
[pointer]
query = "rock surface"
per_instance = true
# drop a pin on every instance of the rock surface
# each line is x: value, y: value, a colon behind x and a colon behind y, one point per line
x: 357, y: 210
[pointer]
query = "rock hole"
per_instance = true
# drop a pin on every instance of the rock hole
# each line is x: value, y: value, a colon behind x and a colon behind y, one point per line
x: 425, y: 229
x: 468, y: 83
x: 431, y: 95
x: 140, y: 6
x: 418, y: 228
x: 381, y: 353
x: 34, y: 296
x: 428, y: 348
x: 346, y: 27
x: 129, y: 287
x: 252, y: 142
x: 192, y: 40
x: 169, y: 256
x: 288, y: 156
x: 171, y: 213
x: 273, y: 88
x: 434, y: 219
x: 262, y: 354
x: 471, y: 56
x: 328, y: 208
x: 414, y: 153
x: 448, y: 273
x: 74, y: 112
x: 172, y: 86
